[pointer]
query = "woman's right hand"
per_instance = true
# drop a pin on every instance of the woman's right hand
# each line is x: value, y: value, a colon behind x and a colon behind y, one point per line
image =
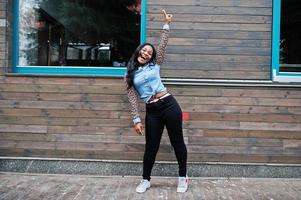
x: 139, y: 128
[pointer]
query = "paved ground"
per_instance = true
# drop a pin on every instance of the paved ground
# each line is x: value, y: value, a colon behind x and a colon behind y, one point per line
x: 75, y: 187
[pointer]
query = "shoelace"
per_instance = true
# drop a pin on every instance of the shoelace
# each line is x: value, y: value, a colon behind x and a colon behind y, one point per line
x: 143, y: 182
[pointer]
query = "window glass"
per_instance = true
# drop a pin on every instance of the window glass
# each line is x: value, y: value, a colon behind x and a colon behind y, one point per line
x: 290, y: 36
x: 78, y: 32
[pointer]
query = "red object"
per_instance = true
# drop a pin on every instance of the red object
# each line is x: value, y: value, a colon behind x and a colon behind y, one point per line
x: 185, y: 116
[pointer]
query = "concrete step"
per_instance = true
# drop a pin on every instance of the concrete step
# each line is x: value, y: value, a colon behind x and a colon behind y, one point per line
x: 134, y: 168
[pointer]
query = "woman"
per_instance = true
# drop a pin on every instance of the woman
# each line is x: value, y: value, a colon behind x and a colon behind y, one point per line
x: 143, y: 79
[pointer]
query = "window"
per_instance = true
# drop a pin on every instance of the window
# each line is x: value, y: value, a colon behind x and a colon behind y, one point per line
x: 290, y: 36
x: 95, y: 37
x: 287, y: 41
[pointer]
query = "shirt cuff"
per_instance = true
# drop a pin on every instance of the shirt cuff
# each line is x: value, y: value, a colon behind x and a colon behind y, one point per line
x: 166, y: 27
x: 136, y: 120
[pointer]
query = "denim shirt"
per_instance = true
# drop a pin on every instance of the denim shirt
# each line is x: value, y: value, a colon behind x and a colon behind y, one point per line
x: 147, y: 81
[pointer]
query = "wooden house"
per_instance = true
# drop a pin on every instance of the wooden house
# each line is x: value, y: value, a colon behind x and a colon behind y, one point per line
x: 227, y: 63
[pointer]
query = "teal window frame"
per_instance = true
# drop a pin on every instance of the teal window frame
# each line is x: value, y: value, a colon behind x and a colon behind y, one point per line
x: 70, y: 70
x: 278, y: 76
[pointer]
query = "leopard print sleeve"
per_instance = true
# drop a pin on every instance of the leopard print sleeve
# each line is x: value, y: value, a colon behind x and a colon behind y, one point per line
x: 134, y: 103
x: 161, y: 48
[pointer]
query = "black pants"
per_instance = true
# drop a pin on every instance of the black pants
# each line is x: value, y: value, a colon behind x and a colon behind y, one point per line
x: 165, y: 112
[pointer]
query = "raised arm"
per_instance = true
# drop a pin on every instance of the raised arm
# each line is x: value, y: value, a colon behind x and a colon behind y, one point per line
x: 161, y: 49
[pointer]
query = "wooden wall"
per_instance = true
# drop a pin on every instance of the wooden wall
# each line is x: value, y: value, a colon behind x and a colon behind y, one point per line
x: 225, y: 39
x: 89, y: 117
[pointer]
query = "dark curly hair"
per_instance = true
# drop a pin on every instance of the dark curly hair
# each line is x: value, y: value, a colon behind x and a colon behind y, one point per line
x: 133, y: 63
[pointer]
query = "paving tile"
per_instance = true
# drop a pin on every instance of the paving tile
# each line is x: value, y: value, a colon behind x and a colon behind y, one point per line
x: 79, y: 187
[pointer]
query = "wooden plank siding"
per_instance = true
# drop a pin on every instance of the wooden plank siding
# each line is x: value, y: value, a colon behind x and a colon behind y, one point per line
x: 82, y: 117
x: 215, y: 39
x: 89, y: 118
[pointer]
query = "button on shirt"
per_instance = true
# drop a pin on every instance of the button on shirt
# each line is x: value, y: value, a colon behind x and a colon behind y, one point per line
x: 147, y: 81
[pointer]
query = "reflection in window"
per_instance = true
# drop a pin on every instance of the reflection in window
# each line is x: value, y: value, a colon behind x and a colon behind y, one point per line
x: 78, y: 32
x: 290, y: 46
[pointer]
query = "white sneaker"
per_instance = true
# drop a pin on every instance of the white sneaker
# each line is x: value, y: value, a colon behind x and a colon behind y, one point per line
x: 143, y: 186
x: 182, y: 184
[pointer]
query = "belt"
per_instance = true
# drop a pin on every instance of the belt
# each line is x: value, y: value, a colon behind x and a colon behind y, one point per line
x: 158, y: 97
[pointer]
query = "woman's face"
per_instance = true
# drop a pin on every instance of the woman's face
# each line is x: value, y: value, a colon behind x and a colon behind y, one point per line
x: 145, y: 55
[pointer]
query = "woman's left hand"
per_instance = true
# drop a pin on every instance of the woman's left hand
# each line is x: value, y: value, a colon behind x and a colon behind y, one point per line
x: 167, y: 17
x: 139, y: 128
